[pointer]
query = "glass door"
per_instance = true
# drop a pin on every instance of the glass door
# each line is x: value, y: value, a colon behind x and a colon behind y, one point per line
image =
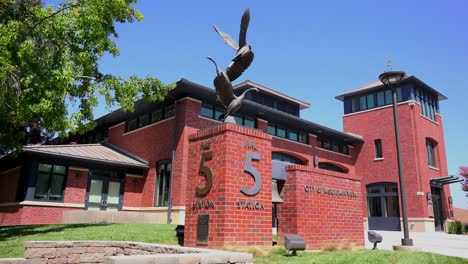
x: 104, y: 192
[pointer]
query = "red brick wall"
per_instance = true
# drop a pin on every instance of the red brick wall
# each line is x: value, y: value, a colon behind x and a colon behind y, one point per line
x: 38, y: 215
x: 10, y: 215
x: 230, y: 225
x: 414, y: 129
x: 31, y: 215
x: 321, y: 219
x: 9, y: 185
x: 75, y: 189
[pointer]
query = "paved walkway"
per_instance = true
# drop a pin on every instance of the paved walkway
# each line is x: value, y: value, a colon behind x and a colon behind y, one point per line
x: 435, y: 242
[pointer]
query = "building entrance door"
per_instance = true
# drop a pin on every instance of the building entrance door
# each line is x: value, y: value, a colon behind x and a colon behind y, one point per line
x: 437, y: 206
x: 104, y: 192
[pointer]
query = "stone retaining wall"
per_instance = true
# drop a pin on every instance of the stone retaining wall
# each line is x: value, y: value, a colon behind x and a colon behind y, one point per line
x: 120, y: 252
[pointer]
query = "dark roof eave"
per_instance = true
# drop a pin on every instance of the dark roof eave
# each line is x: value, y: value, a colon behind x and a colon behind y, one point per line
x: 440, y: 96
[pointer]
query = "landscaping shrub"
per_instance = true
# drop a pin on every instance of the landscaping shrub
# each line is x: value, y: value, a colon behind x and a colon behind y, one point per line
x: 455, y: 227
x: 330, y: 247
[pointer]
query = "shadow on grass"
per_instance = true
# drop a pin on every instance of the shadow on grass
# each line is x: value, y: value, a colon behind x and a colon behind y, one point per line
x: 11, y: 232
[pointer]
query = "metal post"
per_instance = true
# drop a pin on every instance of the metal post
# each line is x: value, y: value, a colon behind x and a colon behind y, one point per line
x: 406, y: 241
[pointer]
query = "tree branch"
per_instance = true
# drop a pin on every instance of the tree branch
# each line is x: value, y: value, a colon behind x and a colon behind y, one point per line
x: 52, y: 15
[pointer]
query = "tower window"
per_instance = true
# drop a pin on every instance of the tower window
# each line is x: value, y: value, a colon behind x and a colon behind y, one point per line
x: 378, y: 148
x: 431, y: 153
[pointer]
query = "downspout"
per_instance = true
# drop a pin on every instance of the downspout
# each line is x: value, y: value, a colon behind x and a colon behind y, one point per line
x: 169, y: 208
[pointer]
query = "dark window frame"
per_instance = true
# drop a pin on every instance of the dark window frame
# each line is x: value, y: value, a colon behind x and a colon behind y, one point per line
x: 332, y: 145
x: 381, y: 197
x: 154, y: 116
x: 301, y: 137
x: 51, y: 174
x: 285, y: 157
x: 163, y: 180
x: 431, y: 151
x: 378, y: 148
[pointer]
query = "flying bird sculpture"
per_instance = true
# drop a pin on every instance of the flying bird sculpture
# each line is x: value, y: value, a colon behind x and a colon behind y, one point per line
x: 241, y: 61
x: 244, y: 54
x: 225, y: 91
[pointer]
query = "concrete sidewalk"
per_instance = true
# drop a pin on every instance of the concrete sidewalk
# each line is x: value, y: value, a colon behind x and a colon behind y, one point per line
x: 435, y: 242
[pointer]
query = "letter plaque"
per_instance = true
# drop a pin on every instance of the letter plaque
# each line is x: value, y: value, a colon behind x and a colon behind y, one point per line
x: 203, y: 225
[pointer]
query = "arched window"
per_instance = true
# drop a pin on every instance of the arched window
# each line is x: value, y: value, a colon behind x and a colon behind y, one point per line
x: 331, y: 167
x: 286, y: 158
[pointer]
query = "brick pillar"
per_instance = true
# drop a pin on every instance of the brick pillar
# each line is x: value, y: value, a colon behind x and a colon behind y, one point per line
x: 324, y: 207
x: 235, y: 219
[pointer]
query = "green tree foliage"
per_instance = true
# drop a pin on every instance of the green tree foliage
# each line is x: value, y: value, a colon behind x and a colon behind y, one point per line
x: 49, y: 62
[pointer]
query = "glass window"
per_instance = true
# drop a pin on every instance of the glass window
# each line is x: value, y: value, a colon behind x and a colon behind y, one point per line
x: 330, y: 167
x: 378, y: 148
x: 302, y: 138
x: 392, y: 208
x: 399, y: 95
x: 132, y: 124
x: 143, y: 120
x: 380, y: 98
x: 285, y: 158
x: 161, y: 196
x: 362, y: 103
x: 271, y: 129
x: 281, y: 132
x: 370, y: 101
x: 292, y: 135
x: 374, y: 206
x: 249, y: 122
x: 388, y: 97
x: 431, y: 154
x: 238, y: 119
x: 169, y: 111
x: 353, y: 105
x: 50, y: 182
x: 156, y: 116
x: 218, y: 113
x: 382, y: 200
x: 207, y: 111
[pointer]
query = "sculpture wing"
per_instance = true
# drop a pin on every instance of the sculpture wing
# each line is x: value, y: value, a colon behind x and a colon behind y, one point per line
x: 224, y: 89
x: 228, y: 39
x: 243, y: 28
x: 240, y: 63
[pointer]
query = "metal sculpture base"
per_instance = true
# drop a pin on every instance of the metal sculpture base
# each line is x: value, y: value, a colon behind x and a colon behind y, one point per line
x: 230, y: 120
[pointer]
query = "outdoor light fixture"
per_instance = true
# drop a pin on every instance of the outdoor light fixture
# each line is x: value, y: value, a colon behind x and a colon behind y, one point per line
x: 391, y: 80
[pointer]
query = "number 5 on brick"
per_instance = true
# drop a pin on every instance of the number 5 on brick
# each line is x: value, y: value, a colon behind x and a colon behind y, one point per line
x: 207, y: 172
x: 252, y: 171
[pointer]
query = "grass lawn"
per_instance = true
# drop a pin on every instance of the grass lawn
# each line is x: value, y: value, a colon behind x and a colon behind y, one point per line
x: 12, y: 238
x: 279, y: 255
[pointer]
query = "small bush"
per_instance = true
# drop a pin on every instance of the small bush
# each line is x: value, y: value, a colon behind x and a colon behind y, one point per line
x: 455, y: 227
x: 330, y: 247
x: 279, y: 250
x: 466, y: 228
x: 255, y: 251
x: 346, y: 248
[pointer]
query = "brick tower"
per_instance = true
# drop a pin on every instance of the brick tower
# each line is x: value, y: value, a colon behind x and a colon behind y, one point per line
x: 368, y: 112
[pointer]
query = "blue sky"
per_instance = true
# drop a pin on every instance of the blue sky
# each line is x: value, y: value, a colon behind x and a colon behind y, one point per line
x: 311, y: 50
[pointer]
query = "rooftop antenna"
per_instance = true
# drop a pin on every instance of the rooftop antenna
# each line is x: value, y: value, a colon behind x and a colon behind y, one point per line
x: 389, y: 64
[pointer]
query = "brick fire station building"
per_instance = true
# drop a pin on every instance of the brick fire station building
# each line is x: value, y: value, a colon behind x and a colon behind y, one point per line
x: 173, y: 161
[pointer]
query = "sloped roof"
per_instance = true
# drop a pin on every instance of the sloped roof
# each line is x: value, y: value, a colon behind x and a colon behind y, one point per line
x: 101, y: 153
x: 375, y: 85
x: 302, y: 105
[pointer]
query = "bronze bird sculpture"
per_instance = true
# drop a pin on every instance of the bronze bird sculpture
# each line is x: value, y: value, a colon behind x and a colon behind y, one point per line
x: 244, y: 54
x: 225, y: 92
